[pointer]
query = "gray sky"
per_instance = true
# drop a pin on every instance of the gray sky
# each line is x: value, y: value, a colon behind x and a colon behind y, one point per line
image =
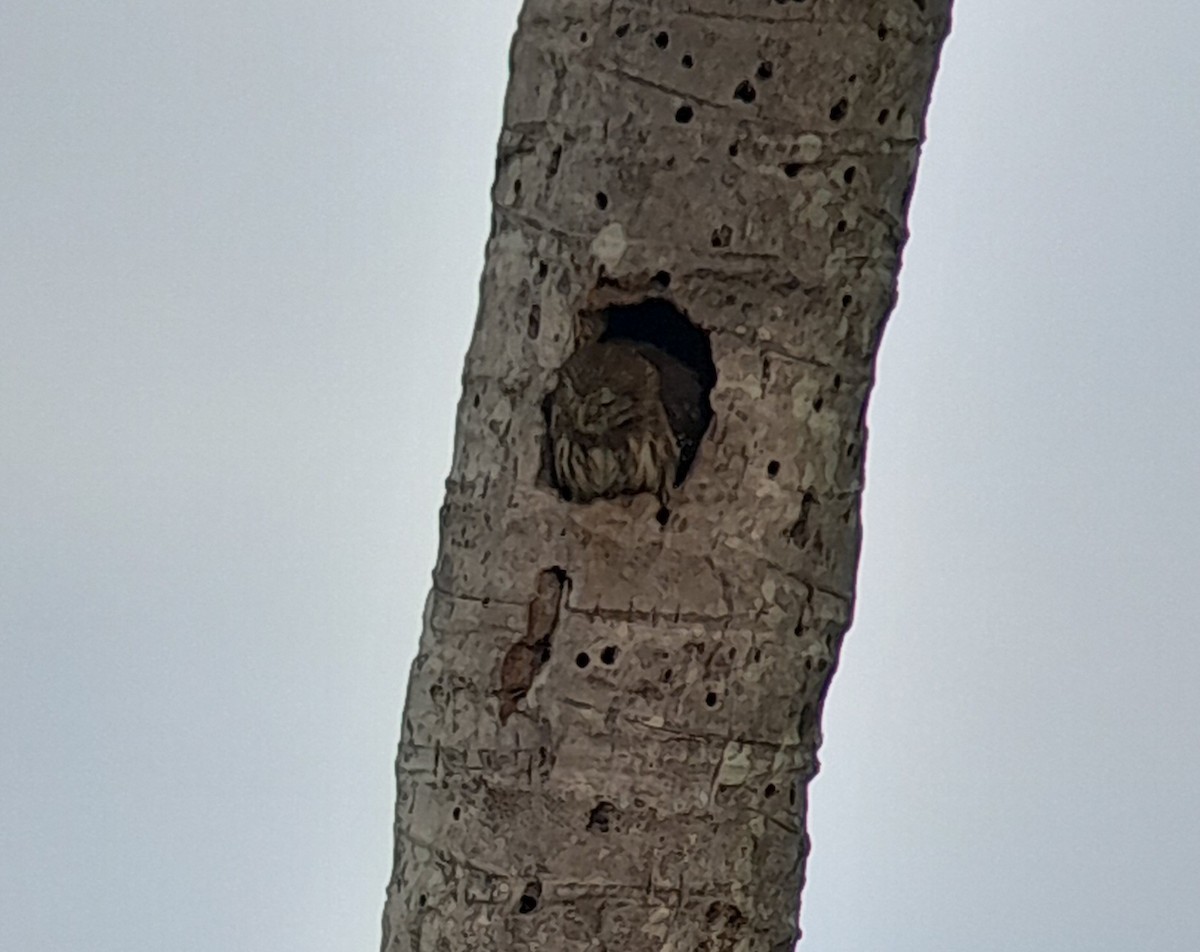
x: 239, y: 256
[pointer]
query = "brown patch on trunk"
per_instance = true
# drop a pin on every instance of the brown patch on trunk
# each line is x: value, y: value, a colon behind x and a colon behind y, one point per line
x: 525, y: 659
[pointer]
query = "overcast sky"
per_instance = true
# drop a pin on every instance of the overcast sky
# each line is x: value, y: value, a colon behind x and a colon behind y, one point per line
x: 239, y: 255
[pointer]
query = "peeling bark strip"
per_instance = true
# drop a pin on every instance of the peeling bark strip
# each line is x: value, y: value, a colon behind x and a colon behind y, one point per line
x: 619, y: 761
x: 525, y: 659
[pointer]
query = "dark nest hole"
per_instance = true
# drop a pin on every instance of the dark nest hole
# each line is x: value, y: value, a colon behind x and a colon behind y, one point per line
x: 658, y: 322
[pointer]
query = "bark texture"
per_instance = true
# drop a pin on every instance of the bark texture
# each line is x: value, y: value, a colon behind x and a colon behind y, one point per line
x: 612, y: 722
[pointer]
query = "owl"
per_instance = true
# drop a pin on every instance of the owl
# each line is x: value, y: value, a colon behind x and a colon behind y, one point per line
x: 625, y: 418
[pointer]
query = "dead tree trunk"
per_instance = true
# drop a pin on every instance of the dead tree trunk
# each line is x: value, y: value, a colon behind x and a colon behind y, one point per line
x: 615, y: 711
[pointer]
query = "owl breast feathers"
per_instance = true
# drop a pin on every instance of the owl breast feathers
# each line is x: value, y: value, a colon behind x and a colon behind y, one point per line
x: 625, y: 418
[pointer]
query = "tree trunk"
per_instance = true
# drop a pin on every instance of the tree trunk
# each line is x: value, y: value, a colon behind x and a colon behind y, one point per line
x: 615, y: 709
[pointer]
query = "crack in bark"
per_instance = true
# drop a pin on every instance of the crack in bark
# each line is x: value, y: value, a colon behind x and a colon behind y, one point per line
x: 660, y: 87
x: 652, y: 617
x: 705, y: 737
x: 850, y: 376
x: 701, y: 254
x: 703, y: 15
x: 485, y: 600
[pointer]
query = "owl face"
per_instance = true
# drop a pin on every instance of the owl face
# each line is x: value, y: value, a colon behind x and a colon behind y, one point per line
x: 601, y: 411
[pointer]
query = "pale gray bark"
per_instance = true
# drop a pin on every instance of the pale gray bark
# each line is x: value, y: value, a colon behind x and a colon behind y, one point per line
x: 611, y: 724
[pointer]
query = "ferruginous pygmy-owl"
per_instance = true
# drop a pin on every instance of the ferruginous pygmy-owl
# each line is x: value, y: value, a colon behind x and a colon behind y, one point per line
x: 625, y: 418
